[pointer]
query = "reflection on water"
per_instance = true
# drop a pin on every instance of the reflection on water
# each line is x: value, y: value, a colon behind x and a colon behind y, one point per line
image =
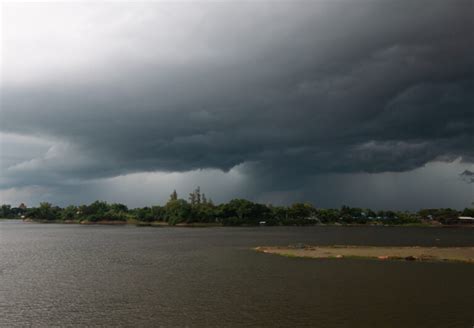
x: 71, y: 275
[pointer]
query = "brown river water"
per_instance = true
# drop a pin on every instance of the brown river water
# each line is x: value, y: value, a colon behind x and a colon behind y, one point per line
x: 54, y: 275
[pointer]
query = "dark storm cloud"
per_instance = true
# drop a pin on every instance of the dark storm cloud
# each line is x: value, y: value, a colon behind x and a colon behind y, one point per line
x: 467, y: 176
x: 290, y: 90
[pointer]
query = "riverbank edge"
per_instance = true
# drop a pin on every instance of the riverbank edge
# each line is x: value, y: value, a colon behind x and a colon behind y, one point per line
x: 163, y: 224
x: 157, y: 224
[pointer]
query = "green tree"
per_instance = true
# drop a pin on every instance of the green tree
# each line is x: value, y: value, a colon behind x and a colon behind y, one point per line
x: 242, y: 211
x: 6, y: 211
x: 158, y: 213
x: 177, y: 211
x: 174, y: 195
x: 117, y: 207
x: 46, y: 211
x: 468, y: 212
x: 69, y: 213
x: 301, y: 211
x: 195, y: 197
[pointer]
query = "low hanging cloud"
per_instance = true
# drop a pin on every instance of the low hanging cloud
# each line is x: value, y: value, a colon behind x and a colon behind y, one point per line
x: 280, y: 92
x: 467, y: 176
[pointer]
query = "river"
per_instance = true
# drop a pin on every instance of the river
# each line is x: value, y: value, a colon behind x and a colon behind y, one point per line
x: 54, y: 275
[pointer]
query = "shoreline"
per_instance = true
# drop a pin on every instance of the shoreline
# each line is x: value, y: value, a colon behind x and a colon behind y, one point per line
x: 156, y: 224
x: 162, y: 224
x: 382, y: 253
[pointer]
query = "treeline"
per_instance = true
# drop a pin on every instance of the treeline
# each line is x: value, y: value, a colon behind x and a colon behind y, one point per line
x: 199, y: 209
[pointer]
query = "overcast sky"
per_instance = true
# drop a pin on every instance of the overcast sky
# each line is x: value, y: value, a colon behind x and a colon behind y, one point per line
x: 364, y: 103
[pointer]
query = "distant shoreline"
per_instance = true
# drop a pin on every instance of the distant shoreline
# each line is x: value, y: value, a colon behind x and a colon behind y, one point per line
x: 201, y: 212
x: 410, y: 253
x: 123, y: 223
x: 163, y: 224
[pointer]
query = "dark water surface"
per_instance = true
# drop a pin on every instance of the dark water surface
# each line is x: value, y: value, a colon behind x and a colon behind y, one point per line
x: 70, y: 275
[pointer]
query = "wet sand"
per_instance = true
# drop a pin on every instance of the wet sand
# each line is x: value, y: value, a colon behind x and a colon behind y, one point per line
x: 415, y: 253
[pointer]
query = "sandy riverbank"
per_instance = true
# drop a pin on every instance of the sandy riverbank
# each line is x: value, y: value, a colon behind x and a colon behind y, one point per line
x: 454, y: 254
